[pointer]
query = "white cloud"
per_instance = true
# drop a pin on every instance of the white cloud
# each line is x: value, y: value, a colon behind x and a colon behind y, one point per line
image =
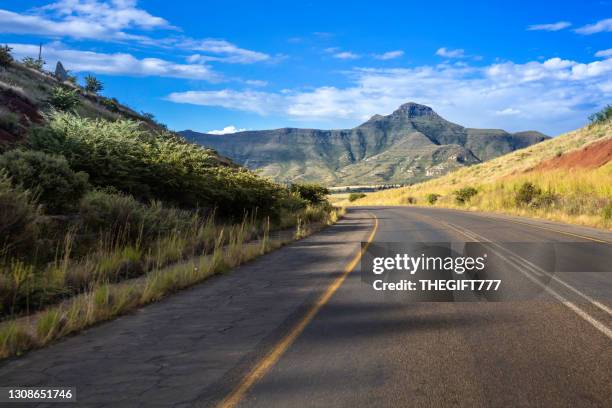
x: 550, y: 27
x: 256, y: 82
x: 83, y: 19
x: 114, y: 64
x: 389, y: 55
x: 226, y: 130
x: 508, y: 112
x: 249, y: 101
x: 604, y: 53
x: 346, y: 55
x: 224, y: 50
x: 598, y: 27
x: 551, y: 96
x: 118, y: 20
x: 446, y: 53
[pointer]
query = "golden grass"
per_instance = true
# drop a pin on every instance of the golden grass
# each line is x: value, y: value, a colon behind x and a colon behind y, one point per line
x: 578, y: 196
x: 108, y: 300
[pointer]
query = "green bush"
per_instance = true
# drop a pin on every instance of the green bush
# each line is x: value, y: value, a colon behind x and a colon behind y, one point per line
x: 124, y: 155
x: 110, y: 104
x: 103, y: 211
x: 313, y: 193
x: 432, y: 198
x: 6, y: 58
x: 34, y: 63
x: 465, y: 194
x: 355, y: 196
x: 531, y: 195
x: 92, y: 84
x: 603, y: 116
x: 18, y: 216
x: 50, y: 177
x: 526, y: 194
x: 607, y: 212
x: 64, y: 99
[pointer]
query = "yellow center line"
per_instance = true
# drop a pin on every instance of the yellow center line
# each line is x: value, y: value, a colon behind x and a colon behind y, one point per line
x: 267, y: 362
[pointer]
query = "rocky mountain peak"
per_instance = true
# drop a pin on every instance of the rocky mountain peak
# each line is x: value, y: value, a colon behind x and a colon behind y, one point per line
x: 413, y: 110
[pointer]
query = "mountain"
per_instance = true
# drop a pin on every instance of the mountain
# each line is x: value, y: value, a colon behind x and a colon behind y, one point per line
x: 411, y: 144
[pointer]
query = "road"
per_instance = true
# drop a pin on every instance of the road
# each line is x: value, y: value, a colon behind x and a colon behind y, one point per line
x: 298, y: 327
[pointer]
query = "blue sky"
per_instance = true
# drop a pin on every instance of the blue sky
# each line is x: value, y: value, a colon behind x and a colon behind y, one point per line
x: 214, y: 65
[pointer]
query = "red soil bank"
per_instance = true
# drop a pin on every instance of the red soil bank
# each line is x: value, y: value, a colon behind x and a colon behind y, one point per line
x: 593, y: 155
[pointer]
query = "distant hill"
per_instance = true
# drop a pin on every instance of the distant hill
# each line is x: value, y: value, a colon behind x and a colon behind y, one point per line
x: 412, y: 144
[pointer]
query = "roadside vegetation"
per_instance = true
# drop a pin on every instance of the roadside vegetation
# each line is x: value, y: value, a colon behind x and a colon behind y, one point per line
x: 102, y: 213
x: 559, y: 179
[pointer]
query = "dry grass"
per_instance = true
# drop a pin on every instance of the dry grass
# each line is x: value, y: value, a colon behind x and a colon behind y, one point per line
x: 106, y: 300
x: 578, y: 196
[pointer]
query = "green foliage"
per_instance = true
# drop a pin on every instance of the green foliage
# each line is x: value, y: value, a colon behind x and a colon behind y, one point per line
x: 526, y: 194
x: 64, y: 99
x: 6, y: 57
x: 122, y: 214
x: 432, y: 198
x: 124, y: 155
x: 92, y: 84
x: 531, y: 195
x: 111, y: 104
x: 34, y: 63
x: 410, y: 200
x: 603, y: 116
x: 18, y: 215
x: 50, y: 177
x: 313, y: 193
x: 355, y: 196
x: 9, y: 121
x: 465, y: 194
x: 607, y: 212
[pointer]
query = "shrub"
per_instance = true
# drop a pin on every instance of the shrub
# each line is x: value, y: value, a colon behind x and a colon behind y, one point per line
x: 110, y: 104
x: 123, y: 155
x: 432, y: 198
x: 64, y: 99
x: 18, y: 215
x: 607, y: 212
x: 6, y: 58
x: 526, y: 194
x: 531, y: 195
x: 410, y: 200
x: 313, y: 193
x: 9, y: 121
x: 50, y: 177
x: 465, y: 194
x: 602, y: 116
x: 355, y: 196
x: 36, y: 64
x: 92, y: 84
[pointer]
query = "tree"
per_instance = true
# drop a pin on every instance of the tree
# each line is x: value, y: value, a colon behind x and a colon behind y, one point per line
x: 92, y: 84
x: 6, y: 58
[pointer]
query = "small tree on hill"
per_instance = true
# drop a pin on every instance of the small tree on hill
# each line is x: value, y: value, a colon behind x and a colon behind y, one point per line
x: 6, y: 58
x: 92, y: 84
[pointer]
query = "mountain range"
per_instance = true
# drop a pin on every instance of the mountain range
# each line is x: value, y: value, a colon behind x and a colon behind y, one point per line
x: 411, y: 144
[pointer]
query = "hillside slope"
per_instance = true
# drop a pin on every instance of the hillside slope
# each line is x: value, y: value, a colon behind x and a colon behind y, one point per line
x: 412, y: 144
x: 566, y: 178
x: 26, y: 94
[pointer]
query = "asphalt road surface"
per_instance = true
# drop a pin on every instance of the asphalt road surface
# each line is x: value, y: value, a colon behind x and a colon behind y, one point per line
x: 299, y: 328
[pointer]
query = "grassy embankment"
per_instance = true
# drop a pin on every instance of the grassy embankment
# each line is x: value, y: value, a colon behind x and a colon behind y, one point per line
x: 513, y: 183
x: 101, y: 212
